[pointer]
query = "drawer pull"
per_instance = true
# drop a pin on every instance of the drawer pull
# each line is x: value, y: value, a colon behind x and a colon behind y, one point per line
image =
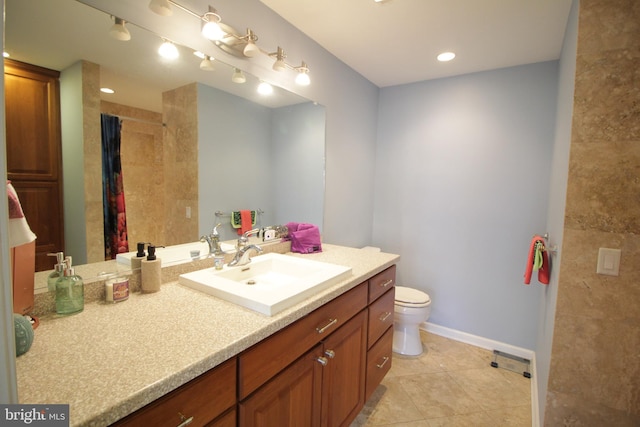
x: 185, y: 421
x: 327, y: 326
x: 387, y: 283
x: 385, y: 316
x: 322, y: 360
x: 385, y: 359
x: 330, y: 354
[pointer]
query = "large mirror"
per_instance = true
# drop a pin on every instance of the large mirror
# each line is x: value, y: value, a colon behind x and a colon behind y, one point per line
x: 195, y: 145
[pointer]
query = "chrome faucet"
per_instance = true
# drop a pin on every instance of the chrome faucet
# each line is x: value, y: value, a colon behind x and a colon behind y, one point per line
x: 244, y: 239
x: 242, y: 255
x: 213, y: 240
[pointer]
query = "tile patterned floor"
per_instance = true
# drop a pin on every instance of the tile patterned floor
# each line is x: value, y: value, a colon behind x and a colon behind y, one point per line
x: 451, y: 384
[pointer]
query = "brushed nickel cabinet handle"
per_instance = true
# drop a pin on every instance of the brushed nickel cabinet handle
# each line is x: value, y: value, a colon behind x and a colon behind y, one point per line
x: 385, y: 316
x: 322, y: 360
x: 327, y: 326
x: 385, y: 359
x: 330, y: 354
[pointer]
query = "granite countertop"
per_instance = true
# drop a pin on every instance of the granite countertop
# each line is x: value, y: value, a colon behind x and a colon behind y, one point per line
x: 112, y: 359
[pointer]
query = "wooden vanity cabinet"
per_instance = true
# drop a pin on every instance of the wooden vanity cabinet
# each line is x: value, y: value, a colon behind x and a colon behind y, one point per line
x: 208, y: 400
x: 316, y: 372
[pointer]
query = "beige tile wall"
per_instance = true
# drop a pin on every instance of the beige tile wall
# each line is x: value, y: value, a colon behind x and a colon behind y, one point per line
x: 595, y: 362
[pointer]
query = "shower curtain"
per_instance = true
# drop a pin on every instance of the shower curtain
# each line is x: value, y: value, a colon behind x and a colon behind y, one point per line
x: 115, y: 221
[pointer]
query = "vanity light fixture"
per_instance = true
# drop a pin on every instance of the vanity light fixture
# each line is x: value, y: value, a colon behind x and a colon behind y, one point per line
x: 265, y: 88
x: 446, y: 56
x: 238, y: 76
x: 161, y: 7
x: 207, y: 64
x: 6, y: 54
x: 230, y: 40
x: 168, y: 50
x: 118, y: 31
x: 302, y: 78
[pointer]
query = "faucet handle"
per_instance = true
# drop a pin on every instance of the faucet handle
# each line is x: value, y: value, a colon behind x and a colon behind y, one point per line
x: 215, y: 230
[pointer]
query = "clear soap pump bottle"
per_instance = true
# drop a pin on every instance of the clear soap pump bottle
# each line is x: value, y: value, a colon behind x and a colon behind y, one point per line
x: 58, y: 271
x: 69, y: 291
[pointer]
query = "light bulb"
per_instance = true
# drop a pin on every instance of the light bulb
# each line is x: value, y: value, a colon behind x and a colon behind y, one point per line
x: 161, y: 7
x: 446, y: 56
x: 212, y: 31
x: 168, y: 50
x: 303, y: 79
x: 265, y: 88
x: 238, y: 76
x: 250, y: 50
x: 279, y: 65
x: 119, y: 32
x: 207, y: 64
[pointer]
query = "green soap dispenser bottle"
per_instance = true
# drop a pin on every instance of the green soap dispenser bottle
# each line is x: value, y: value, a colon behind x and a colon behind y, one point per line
x: 58, y: 271
x: 69, y: 291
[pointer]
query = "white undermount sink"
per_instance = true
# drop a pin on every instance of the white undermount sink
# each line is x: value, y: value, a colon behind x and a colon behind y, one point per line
x: 269, y: 284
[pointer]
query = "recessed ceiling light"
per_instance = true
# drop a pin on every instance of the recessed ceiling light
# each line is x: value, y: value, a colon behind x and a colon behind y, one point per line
x: 446, y: 56
x: 106, y: 90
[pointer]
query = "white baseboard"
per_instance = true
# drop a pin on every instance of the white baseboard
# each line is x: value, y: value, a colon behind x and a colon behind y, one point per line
x: 490, y: 344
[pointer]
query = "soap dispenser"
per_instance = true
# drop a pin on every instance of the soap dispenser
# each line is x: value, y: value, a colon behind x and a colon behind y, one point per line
x: 151, y: 271
x: 58, y: 271
x: 69, y: 290
x: 140, y: 255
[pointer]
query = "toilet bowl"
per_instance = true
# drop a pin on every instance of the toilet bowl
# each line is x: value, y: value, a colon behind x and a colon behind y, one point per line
x: 411, y: 308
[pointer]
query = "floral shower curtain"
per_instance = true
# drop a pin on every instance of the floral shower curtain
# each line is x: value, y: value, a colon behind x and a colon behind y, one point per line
x: 115, y: 221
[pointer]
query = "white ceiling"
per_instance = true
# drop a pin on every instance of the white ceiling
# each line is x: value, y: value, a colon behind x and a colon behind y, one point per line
x: 396, y: 41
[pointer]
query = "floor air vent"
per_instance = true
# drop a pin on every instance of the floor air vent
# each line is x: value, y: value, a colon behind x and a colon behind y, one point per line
x: 511, y: 362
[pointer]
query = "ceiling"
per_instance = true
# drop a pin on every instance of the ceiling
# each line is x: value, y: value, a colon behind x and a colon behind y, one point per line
x: 397, y: 41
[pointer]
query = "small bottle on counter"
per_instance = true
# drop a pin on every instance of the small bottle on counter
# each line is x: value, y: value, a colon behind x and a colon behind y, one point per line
x: 140, y: 255
x: 69, y: 291
x: 151, y: 276
x: 58, y: 271
x: 117, y: 289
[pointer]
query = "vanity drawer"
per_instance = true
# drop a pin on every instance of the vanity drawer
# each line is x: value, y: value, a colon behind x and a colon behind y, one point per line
x: 381, y: 283
x: 378, y: 362
x: 380, y: 316
x: 201, y: 399
x: 264, y: 360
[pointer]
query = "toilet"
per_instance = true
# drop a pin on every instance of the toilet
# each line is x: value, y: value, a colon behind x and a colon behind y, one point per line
x: 411, y: 308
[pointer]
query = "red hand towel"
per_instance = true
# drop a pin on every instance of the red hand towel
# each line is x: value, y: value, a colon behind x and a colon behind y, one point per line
x: 245, y: 222
x: 544, y: 271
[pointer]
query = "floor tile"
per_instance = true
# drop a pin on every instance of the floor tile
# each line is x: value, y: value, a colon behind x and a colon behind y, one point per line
x: 450, y: 385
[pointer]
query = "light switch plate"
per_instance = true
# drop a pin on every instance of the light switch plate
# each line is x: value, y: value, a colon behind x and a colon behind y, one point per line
x: 608, y: 261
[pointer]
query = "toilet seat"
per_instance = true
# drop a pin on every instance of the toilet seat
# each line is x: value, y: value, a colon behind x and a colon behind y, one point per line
x: 409, y: 297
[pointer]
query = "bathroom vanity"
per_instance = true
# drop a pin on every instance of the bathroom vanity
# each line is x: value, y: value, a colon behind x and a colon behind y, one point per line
x: 181, y: 356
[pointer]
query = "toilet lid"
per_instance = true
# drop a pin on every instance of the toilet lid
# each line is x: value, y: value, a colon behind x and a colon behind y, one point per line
x: 411, y: 296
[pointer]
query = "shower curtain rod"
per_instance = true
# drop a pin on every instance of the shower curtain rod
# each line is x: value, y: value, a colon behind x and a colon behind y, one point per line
x: 133, y: 119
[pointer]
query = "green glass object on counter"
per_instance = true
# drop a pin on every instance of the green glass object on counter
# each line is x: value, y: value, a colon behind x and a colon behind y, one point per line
x: 69, y: 291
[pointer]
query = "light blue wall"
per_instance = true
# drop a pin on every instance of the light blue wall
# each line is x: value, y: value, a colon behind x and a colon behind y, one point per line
x: 234, y: 170
x: 557, y: 200
x: 297, y: 163
x: 461, y: 186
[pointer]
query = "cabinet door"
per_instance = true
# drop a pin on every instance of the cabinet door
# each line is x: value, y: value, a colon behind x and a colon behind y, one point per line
x: 291, y: 399
x: 343, y: 381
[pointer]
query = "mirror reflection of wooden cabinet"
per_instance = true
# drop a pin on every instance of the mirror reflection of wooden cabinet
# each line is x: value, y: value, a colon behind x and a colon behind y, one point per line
x: 34, y: 152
